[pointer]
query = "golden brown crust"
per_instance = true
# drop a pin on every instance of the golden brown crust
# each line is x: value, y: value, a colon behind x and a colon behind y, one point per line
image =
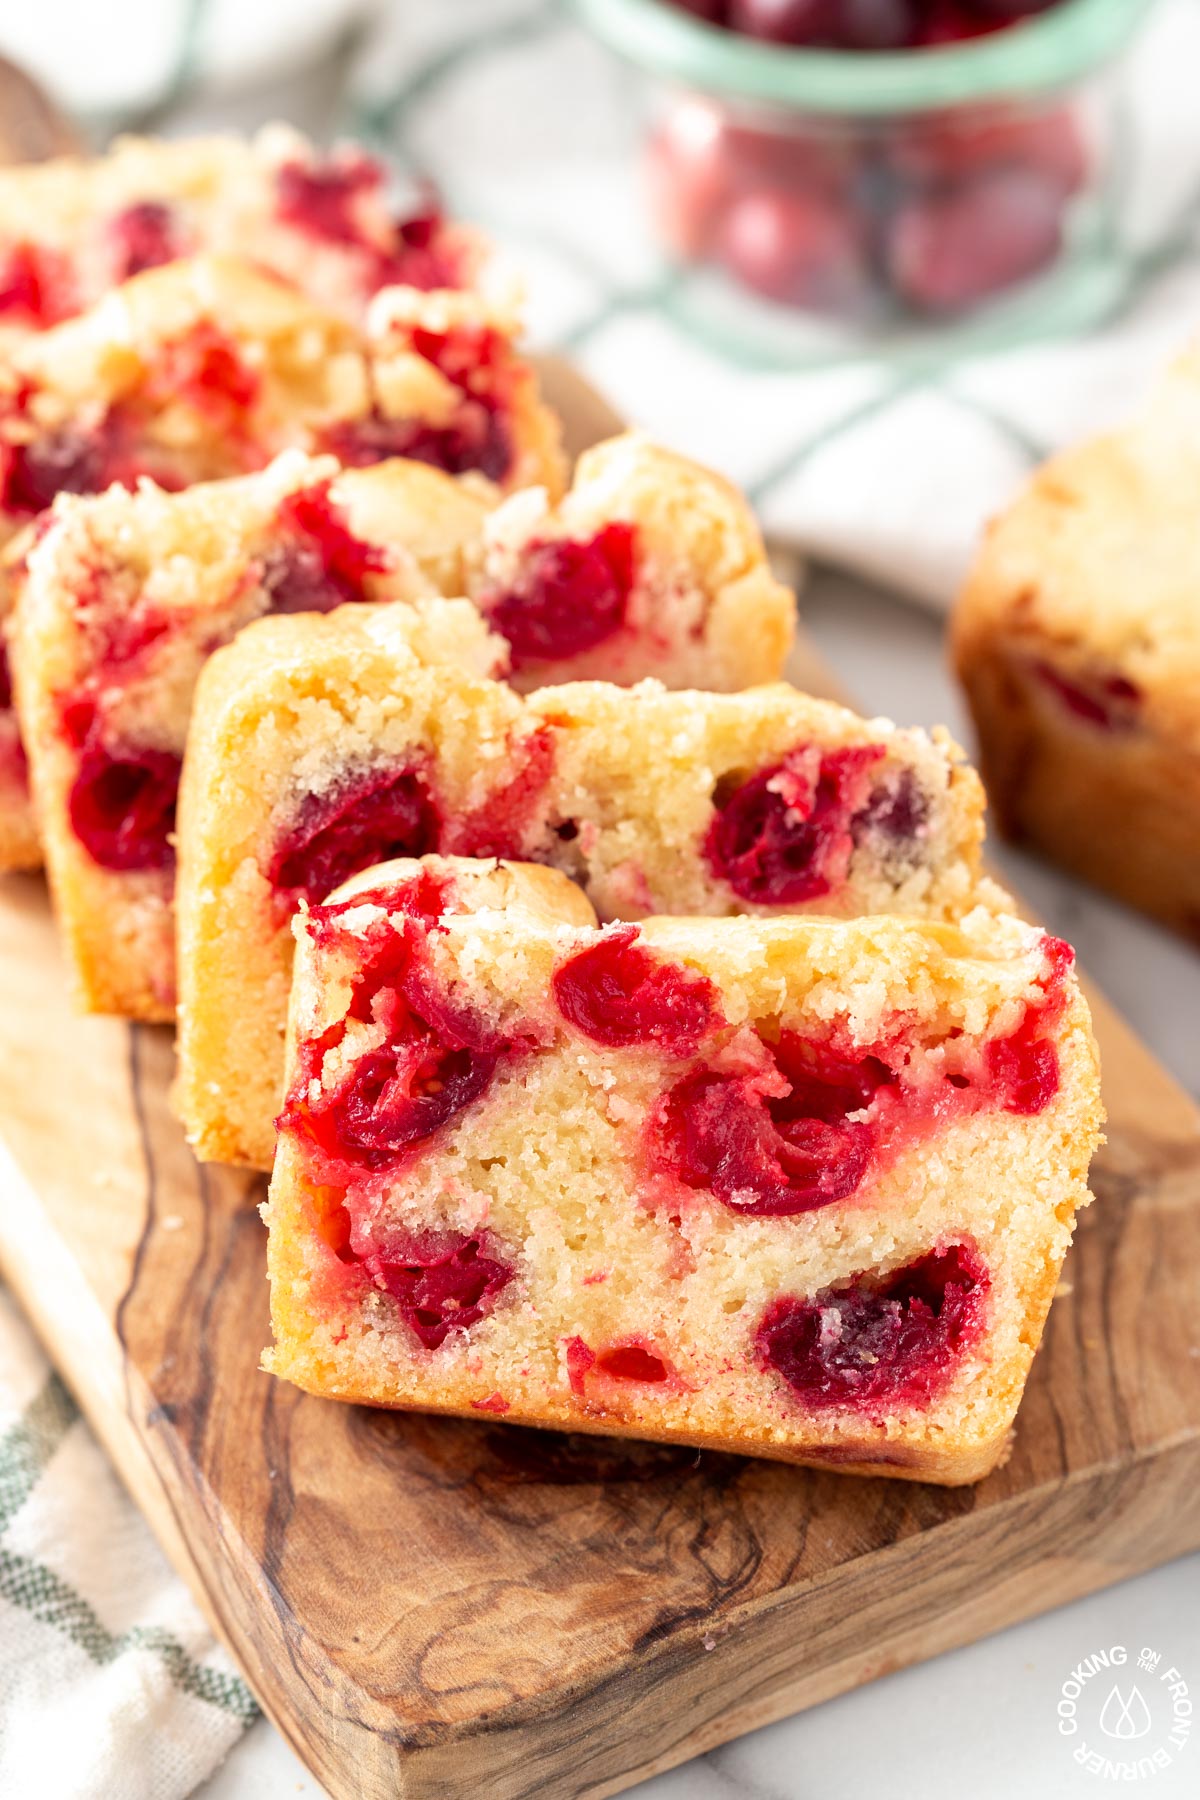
x: 866, y: 1455
x: 1120, y: 811
x: 492, y: 882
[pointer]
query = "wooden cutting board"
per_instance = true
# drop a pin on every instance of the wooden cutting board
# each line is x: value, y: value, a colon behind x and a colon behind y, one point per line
x: 428, y: 1607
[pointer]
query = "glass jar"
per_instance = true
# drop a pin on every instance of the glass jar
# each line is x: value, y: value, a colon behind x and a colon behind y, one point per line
x: 822, y: 201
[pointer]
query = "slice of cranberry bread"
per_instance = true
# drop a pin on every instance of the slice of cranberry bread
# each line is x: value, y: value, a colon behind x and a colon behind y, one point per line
x: 121, y: 600
x: 319, y: 745
x: 649, y: 565
x: 125, y: 594
x: 73, y: 228
x: 1077, y: 638
x: 798, y: 1188
x: 755, y: 802
x: 208, y: 368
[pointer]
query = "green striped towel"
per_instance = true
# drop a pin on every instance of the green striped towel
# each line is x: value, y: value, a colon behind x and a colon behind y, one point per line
x: 110, y: 1683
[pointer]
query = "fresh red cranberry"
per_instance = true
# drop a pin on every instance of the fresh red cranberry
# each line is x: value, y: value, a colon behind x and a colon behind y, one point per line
x: 370, y: 818
x: 698, y: 162
x: 688, y: 178
x: 946, y: 251
x: 949, y: 148
x: 950, y: 22
x: 1023, y: 1068
x: 1108, y: 702
x: 1060, y: 960
x: 890, y: 1343
x: 785, y: 835
x: 1007, y: 12
x: 441, y: 1281
x: 618, y: 993
x: 143, y: 237
x: 325, y: 201
x: 788, y: 156
x: 323, y: 564
x: 14, y: 764
x: 829, y: 24
x: 437, y: 1059
x: 392, y: 984
x: 799, y: 248
x: 35, y: 284
x: 421, y: 229
x: 295, y: 580
x: 807, y: 22
x: 772, y: 1157
x: 878, y: 24
x: 711, y: 11
x: 567, y: 597
x: 122, y: 805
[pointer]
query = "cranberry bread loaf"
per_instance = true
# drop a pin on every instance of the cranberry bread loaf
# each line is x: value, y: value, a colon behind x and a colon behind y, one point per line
x: 798, y: 1188
x: 208, y: 368
x: 320, y: 745
x: 121, y: 599
x: 73, y: 228
x: 309, y: 756
x: 125, y: 594
x: 1077, y: 638
x: 649, y: 566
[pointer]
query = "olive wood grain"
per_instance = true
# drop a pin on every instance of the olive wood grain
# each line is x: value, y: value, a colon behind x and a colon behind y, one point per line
x: 430, y: 1607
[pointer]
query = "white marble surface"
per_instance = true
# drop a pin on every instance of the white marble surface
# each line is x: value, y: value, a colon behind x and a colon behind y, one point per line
x: 979, y: 1724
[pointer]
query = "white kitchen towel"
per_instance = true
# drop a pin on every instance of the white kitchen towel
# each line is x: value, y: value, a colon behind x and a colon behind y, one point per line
x: 111, y: 1687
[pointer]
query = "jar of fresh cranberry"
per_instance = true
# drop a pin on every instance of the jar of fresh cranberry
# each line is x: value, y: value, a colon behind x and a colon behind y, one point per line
x: 831, y: 173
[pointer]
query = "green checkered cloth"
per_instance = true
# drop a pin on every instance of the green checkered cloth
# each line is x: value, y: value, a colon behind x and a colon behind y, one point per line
x: 110, y: 1683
